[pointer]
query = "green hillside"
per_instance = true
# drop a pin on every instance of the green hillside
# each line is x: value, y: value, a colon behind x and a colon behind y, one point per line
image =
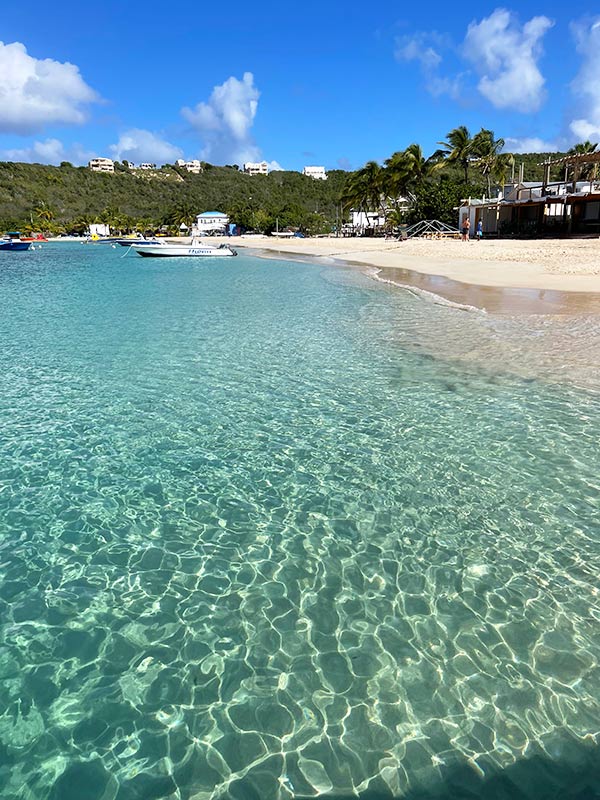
x: 66, y: 197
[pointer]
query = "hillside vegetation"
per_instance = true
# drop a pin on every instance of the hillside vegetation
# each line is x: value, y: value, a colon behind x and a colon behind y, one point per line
x: 36, y: 197
x: 68, y: 198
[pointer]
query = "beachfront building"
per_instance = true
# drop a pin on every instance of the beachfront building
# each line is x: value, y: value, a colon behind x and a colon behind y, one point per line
x: 147, y: 166
x: 261, y: 168
x: 361, y: 221
x: 101, y: 165
x: 210, y: 222
x: 542, y: 208
x: 484, y: 209
x: 318, y: 173
x: 97, y: 229
x: 374, y: 222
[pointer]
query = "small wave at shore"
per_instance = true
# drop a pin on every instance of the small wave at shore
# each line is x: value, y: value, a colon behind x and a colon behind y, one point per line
x: 425, y: 294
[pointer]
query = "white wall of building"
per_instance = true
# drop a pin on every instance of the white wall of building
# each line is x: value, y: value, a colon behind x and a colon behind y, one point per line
x: 318, y: 173
x: 260, y: 168
x: 210, y: 222
x: 362, y: 220
x: 102, y: 165
x: 99, y: 229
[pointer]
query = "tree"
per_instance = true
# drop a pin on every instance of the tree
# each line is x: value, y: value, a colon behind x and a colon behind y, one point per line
x: 589, y: 171
x: 407, y: 171
x: 458, y: 149
x: 43, y: 212
x: 397, y: 177
x: 365, y: 190
x: 437, y: 201
x: 583, y: 148
x: 180, y: 214
x: 492, y: 162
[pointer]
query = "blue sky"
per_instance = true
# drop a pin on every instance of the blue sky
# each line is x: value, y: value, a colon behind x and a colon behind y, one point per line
x: 310, y: 83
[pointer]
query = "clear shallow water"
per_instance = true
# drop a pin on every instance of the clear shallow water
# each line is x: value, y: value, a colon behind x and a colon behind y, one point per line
x: 258, y: 542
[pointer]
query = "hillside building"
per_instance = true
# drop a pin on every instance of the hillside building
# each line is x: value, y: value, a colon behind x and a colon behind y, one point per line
x: 318, y: 173
x: 261, y: 168
x: 102, y: 165
x: 194, y: 165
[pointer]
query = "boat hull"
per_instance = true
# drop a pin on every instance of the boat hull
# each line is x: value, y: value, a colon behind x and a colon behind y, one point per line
x: 167, y: 251
x: 13, y: 244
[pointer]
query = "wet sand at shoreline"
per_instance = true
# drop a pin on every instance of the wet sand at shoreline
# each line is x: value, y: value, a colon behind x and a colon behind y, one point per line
x: 555, y: 276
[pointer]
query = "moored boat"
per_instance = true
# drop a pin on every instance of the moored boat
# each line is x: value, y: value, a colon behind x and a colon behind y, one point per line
x: 12, y: 241
x: 132, y: 241
x: 196, y: 249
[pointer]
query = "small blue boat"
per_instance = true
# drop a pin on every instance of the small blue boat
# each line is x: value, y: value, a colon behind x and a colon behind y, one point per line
x: 13, y: 241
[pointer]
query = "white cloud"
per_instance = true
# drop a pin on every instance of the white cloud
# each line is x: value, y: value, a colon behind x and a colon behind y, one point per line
x: 35, y: 92
x: 530, y: 144
x: 138, y: 145
x: 426, y: 49
x: 275, y: 166
x: 506, y: 55
x: 587, y: 83
x: 419, y: 47
x: 225, y: 121
x: 50, y: 151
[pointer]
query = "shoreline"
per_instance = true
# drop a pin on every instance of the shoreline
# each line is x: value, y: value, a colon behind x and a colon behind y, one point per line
x: 554, y: 276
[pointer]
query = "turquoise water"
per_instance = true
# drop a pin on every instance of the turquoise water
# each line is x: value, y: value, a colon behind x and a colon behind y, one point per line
x: 269, y: 530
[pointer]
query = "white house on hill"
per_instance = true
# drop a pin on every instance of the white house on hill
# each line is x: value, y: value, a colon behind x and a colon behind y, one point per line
x: 261, y: 168
x: 102, y: 165
x: 318, y: 173
x: 192, y: 166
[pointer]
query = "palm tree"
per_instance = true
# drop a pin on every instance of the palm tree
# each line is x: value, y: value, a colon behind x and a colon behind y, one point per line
x: 111, y: 216
x: 420, y: 168
x: 582, y: 148
x: 489, y: 157
x: 45, y: 217
x: 43, y: 212
x: 396, y: 177
x: 585, y: 148
x: 365, y: 190
x: 458, y: 148
x: 406, y: 172
x: 180, y: 214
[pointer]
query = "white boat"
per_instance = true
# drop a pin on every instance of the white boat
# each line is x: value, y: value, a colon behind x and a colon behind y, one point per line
x: 195, y: 249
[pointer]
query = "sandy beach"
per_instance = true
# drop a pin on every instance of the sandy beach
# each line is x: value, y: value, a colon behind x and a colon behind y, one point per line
x: 536, y: 276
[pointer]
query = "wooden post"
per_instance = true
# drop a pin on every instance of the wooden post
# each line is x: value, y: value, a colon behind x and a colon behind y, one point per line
x: 575, y: 176
x: 546, y: 178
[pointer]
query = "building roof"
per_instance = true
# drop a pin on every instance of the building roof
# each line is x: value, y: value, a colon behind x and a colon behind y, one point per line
x: 212, y: 214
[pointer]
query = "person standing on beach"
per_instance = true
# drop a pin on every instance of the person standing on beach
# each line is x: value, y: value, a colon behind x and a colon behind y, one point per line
x: 479, y: 233
x: 465, y: 229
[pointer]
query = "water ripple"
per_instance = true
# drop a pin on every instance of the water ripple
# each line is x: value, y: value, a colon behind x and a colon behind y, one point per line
x: 257, y: 542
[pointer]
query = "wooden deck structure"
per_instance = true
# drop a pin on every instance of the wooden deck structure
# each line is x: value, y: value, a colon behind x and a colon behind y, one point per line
x: 575, y: 161
x: 549, y: 208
